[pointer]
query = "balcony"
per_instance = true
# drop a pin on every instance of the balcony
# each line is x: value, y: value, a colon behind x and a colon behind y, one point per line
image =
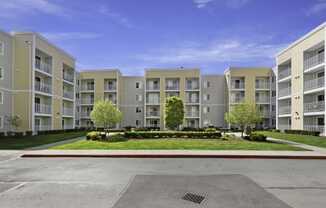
x: 284, y: 110
x: 154, y: 87
x: 192, y: 114
x: 319, y: 128
x: 314, y: 83
x: 68, y: 94
x: 262, y: 85
x: 265, y: 114
x: 42, y: 127
x: 110, y: 87
x: 112, y: 100
x: 153, y: 114
x: 314, y: 107
x: 192, y: 85
x: 314, y: 60
x: 172, y: 87
x: 284, y: 92
x: 89, y: 87
x: 85, y: 114
x: 67, y: 111
x: 237, y: 100
x: 262, y: 99
x: 238, y: 86
x: 68, y: 77
x: 43, y: 66
x: 42, y: 87
x: 192, y: 100
x: 284, y: 73
x: 42, y: 108
x: 87, y: 101
x: 68, y: 126
x: 284, y: 126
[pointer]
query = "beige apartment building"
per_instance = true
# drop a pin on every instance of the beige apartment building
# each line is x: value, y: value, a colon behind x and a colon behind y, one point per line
x: 37, y: 83
x: 301, y: 83
x: 253, y: 85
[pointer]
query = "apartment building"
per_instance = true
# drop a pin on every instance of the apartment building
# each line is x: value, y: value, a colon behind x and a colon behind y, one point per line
x: 37, y: 84
x: 301, y: 83
x: 253, y: 85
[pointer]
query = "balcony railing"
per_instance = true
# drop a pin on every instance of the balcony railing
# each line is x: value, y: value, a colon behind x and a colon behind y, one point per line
x: 68, y: 77
x: 239, y: 86
x: 284, y: 92
x: 192, y: 100
x: 152, y: 114
x: 42, y: 87
x: 153, y: 87
x: 193, y: 86
x: 314, y: 107
x: 314, y: 61
x: 87, y: 88
x: 262, y: 85
x: 110, y: 87
x: 173, y: 87
x: 112, y: 100
x: 262, y: 99
x: 284, y: 73
x: 265, y: 113
x: 42, y: 66
x: 192, y: 114
x: 42, y: 108
x: 68, y: 94
x: 314, y: 83
x: 85, y: 114
x: 284, y: 110
x: 237, y: 100
x: 68, y: 126
x: 319, y: 128
x: 284, y: 126
x: 42, y: 127
x: 68, y: 111
x: 87, y: 101
x: 153, y: 101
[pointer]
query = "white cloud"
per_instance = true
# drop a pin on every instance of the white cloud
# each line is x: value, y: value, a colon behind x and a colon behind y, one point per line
x: 317, y: 8
x: 201, y: 3
x: 115, y: 16
x: 217, y: 51
x: 71, y: 36
x: 233, y: 4
x: 14, y: 8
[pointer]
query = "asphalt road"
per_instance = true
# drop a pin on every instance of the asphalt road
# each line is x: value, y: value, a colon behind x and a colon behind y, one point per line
x: 99, y: 182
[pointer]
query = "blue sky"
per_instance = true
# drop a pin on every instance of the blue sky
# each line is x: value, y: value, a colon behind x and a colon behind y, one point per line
x: 135, y: 34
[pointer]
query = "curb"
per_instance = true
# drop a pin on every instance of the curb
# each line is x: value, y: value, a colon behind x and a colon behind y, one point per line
x: 293, y: 157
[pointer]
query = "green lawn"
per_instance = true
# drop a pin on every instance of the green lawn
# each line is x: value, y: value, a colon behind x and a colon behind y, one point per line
x: 177, y: 144
x: 310, y: 140
x: 33, y: 141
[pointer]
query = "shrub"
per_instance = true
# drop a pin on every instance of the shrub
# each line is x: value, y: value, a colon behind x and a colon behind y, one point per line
x: 19, y: 134
x: 2, y: 134
x: 129, y: 128
x: 117, y: 138
x: 192, y: 129
x: 93, y: 135
x: 256, y: 137
x: 210, y: 129
x: 302, y: 132
x: 172, y: 134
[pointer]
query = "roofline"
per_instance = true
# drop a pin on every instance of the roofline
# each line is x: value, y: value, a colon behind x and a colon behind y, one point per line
x: 246, y: 67
x: 321, y: 26
x: 171, y: 69
x: 46, y: 40
x: 98, y: 70
x: 5, y: 33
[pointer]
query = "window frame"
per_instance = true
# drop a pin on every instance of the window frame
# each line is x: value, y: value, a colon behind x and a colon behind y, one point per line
x: 1, y: 73
x: 1, y: 97
x: 2, y: 46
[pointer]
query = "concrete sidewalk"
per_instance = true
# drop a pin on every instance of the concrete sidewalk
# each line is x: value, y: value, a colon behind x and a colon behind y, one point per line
x: 177, y: 154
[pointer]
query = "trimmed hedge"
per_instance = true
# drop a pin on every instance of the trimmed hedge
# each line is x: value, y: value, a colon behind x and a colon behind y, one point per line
x: 172, y: 134
x: 256, y: 137
x: 302, y: 132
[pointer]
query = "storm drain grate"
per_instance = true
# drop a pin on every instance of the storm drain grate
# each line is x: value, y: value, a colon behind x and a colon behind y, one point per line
x: 195, y: 198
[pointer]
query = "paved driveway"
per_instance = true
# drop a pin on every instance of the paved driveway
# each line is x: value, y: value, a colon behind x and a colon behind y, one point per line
x: 99, y: 182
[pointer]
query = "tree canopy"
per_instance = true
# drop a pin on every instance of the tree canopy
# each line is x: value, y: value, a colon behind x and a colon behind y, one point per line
x: 105, y: 114
x: 174, y: 112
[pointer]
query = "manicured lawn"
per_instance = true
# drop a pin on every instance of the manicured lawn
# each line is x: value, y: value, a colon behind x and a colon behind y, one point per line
x: 310, y: 140
x: 177, y: 144
x: 33, y: 141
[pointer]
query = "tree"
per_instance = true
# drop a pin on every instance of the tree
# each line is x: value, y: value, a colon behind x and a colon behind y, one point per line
x: 174, y: 112
x: 13, y: 122
x: 105, y: 114
x: 244, y: 115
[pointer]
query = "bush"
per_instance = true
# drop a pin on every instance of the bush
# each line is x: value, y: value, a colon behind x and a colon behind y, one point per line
x: 117, y: 138
x: 192, y: 129
x: 172, y: 134
x: 93, y: 135
x: 2, y: 134
x: 210, y: 129
x: 302, y: 132
x: 19, y: 134
x: 275, y: 130
x: 256, y: 137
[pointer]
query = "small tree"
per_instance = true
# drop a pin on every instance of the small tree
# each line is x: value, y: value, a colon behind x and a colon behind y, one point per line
x: 174, y: 112
x: 13, y: 122
x: 105, y: 114
x: 244, y: 115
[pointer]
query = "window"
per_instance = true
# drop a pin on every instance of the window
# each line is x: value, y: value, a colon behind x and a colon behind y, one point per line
x: 206, y: 97
x: 137, y: 122
x: 320, y: 121
x: 1, y: 72
x: 1, y: 122
x: 138, y: 109
x: 1, y: 97
x: 273, y: 93
x: 138, y: 85
x: 139, y: 98
x: 2, y: 48
x: 206, y: 84
x: 206, y: 109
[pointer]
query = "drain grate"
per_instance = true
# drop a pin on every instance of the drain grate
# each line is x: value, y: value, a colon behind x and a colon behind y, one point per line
x: 195, y: 198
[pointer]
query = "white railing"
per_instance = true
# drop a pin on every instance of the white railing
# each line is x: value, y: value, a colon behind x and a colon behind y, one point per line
x: 262, y: 99
x: 192, y: 86
x: 68, y: 126
x: 42, y: 108
x: 314, y: 106
x: 265, y: 114
x: 284, y: 73
x: 153, y: 87
x: 152, y: 114
x: 314, y: 60
x: 112, y: 100
x: 319, y: 128
x: 87, y: 101
x: 68, y: 94
x: 237, y: 100
x: 284, y: 92
x: 284, y: 110
x: 262, y: 85
x: 110, y: 87
x: 84, y: 114
x: 87, y: 88
x: 42, y: 66
x: 314, y: 83
x: 68, y: 77
x: 68, y: 111
x: 42, y: 127
x: 234, y: 86
x: 173, y: 87
x: 284, y: 126
x: 153, y: 101
x: 42, y: 87
x: 192, y: 100
x: 192, y: 114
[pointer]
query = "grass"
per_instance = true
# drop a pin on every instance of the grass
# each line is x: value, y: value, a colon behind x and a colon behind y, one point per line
x: 176, y: 144
x: 14, y: 143
x: 310, y: 140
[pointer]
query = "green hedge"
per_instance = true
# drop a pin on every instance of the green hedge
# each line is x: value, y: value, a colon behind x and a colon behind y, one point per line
x: 171, y: 134
x: 256, y: 137
x: 302, y: 132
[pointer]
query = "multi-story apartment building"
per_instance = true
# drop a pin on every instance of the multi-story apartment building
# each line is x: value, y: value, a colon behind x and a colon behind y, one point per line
x: 36, y: 83
x: 301, y: 83
x: 253, y: 85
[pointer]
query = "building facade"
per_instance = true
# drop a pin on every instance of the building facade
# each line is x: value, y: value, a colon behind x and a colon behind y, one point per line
x: 301, y: 83
x: 37, y: 84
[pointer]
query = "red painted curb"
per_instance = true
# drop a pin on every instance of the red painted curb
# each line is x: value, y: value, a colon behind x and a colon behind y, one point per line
x: 303, y: 157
